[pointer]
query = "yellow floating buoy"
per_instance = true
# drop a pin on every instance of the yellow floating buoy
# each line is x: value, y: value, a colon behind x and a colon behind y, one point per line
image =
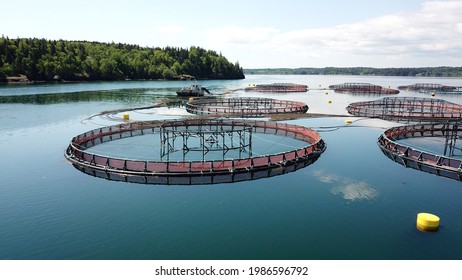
x: 126, y: 116
x: 348, y: 121
x: 427, y: 222
x: 329, y: 101
x: 191, y: 99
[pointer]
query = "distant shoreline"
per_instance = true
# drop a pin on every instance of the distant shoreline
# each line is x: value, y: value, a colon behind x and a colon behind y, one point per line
x: 440, y: 71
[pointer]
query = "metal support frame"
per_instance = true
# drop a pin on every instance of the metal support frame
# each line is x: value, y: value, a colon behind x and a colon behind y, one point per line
x: 205, y: 138
x: 451, y: 135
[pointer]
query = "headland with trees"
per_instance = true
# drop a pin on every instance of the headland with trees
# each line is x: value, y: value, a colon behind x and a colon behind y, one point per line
x: 32, y: 59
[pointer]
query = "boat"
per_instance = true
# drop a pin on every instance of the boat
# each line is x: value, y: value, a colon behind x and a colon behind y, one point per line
x: 192, y: 91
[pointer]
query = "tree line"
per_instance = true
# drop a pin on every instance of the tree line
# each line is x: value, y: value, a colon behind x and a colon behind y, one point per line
x: 443, y: 71
x: 51, y: 60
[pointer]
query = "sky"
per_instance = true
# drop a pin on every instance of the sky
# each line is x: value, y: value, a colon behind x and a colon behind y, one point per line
x: 258, y: 34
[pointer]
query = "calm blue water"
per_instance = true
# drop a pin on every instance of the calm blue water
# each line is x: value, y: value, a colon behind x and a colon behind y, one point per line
x: 352, y: 203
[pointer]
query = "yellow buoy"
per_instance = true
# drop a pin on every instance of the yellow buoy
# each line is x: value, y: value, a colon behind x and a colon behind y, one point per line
x: 191, y: 99
x: 427, y: 222
x: 329, y: 101
x: 348, y: 121
x: 126, y: 116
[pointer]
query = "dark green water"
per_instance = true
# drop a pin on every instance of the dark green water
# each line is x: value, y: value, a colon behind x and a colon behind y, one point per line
x: 352, y: 203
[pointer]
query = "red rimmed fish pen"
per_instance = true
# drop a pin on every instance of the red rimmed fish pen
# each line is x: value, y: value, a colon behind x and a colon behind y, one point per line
x: 409, y: 156
x: 407, y: 109
x: 428, y: 87
x: 362, y: 88
x: 244, y: 107
x: 194, y: 171
x: 278, y: 87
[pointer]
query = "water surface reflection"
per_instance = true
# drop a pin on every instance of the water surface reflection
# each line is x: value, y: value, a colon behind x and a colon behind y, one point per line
x: 350, y: 189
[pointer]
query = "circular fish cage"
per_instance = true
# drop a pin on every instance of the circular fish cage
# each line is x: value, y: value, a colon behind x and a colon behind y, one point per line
x: 428, y: 87
x: 278, y: 87
x: 199, y: 151
x: 407, y: 109
x: 244, y: 106
x: 444, y: 164
x: 365, y: 88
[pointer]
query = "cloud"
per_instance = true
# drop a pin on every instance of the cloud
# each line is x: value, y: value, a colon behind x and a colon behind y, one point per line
x: 435, y: 28
x: 350, y: 189
x: 432, y: 32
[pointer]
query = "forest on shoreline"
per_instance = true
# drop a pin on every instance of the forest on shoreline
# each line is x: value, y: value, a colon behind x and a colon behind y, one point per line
x: 24, y: 60
x: 443, y: 71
